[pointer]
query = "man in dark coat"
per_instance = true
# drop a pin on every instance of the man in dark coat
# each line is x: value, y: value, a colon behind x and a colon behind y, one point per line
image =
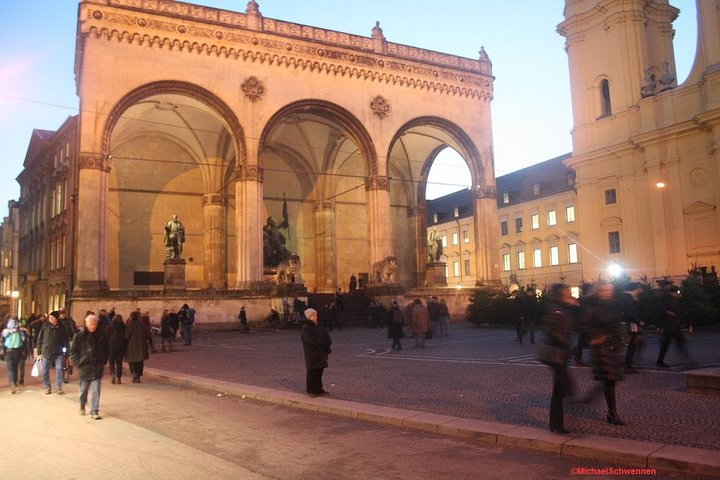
x: 316, y: 348
x: 89, y: 353
x: 51, y: 343
x: 137, y: 350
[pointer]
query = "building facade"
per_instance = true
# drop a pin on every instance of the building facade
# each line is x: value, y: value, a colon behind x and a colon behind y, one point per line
x: 645, y: 149
x: 9, y: 243
x: 47, y: 219
x: 539, y: 242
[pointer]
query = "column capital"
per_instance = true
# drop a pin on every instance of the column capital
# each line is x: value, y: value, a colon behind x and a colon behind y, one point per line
x: 212, y: 199
x: 485, y: 191
x: 249, y: 173
x: 94, y: 161
x: 378, y: 182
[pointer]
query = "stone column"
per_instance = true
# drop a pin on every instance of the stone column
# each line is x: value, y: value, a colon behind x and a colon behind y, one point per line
x: 378, y: 200
x: 487, y: 256
x: 91, y: 208
x: 213, y: 241
x: 417, y: 217
x: 325, y: 246
x: 249, y: 223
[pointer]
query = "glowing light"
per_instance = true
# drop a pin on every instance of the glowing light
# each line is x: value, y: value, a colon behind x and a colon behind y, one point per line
x: 614, y: 270
x: 660, y: 184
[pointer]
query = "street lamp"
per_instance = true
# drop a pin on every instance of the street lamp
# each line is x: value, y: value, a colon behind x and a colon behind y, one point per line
x: 615, y: 270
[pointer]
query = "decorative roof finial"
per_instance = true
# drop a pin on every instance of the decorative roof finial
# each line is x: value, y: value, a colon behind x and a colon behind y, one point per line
x: 379, y: 43
x: 485, y: 63
x: 377, y: 31
x: 253, y: 7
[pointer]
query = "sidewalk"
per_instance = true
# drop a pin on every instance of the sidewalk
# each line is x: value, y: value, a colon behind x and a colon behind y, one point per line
x: 692, y: 461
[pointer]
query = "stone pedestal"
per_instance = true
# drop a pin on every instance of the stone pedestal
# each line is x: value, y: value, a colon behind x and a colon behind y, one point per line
x: 174, y: 274
x: 290, y: 290
x: 435, y: 274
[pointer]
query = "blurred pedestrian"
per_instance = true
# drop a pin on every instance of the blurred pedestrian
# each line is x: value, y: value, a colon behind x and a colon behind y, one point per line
x: 671, y: 323
x: 242, y: 316
x: 630, y: 312
x: 396, y: 321
x: 601, y: 322
x: 14, y: 341
x: 420, y: 322
x: 559, y: 322
x: 187, y: 319
x: 166, y: 332
x: 137, y: 351
x: 316, y: 348
x: 444, y: 322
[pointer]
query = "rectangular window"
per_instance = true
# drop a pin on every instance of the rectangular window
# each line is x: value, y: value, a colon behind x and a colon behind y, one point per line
x: 456, y: 269
x: 534, y: 221
x: 506, y: 198
x: 456, y: 212
x: 503, y: 228
x: 466, y: 235
x: 610, y: 197
x: 552, y: 218
x: 454, y: 238
x: 572, y: 253
x: 554, y: 256
x: 518, y: 225
x: 614, y: 241
x: 467, y: 267
x: 570, y: 214
x: 435, y: 218
x: 444, y: 240
x: 536, y: 189
x: 537, y: 258
x: 506, y: 262
x: 521, y: 260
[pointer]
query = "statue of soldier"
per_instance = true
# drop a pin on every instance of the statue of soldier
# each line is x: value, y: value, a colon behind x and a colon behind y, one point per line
x: 174, y: 238
x: 434, y: 246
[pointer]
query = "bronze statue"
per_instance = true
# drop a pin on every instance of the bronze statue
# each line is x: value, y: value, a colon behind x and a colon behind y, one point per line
x: 174, y: 238
x: 435, y: 247
x: 274, y: 250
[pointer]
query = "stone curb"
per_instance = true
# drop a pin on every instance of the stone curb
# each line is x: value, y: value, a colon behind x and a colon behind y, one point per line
x: 627, y: 452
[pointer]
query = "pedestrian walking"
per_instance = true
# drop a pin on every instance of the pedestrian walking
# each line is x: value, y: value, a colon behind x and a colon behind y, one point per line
x: 50, y: 348
x: 420, y: 322
x: 444, y: 322
x: 116, y: 348
x: 137, y: 351
x: 89, y: 353
x: 601, y: 322
x: 242, y: 316
x: 15, y: 341
x: 316, y: 348
x: 559, y: 322
x: 396, y: 320
x: 628, y: 305
x: 166, y: 332
x: 671, y: 323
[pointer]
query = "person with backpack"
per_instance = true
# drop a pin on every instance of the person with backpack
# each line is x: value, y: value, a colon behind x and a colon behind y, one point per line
x: 14, y: 340
x: 395, y: 327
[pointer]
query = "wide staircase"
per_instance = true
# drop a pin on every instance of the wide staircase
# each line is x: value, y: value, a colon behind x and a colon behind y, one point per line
x: 355, y: 307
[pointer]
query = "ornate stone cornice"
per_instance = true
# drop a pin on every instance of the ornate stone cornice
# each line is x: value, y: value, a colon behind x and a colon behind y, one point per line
x: 249, y: 173
x: 178, y: 26
x: 378, y: 182
x: 485, y: 191
x: 93, y: 161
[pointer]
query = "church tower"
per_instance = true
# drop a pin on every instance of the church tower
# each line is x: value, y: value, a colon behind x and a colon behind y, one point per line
x: 644, y: 148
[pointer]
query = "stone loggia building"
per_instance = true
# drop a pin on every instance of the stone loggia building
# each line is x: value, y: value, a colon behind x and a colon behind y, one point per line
x: 225, y: 117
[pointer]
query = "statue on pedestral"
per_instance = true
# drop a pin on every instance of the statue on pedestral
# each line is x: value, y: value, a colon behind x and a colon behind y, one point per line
x: 174, y: 238
x: 274, y: 250
x: 435, y: 247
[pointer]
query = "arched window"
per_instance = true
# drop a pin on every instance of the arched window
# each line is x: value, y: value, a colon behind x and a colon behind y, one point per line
x: 605, y: 99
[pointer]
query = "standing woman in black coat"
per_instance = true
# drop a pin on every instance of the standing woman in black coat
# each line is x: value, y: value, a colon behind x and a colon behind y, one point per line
x: 116, y: 348
x: 316, y: 348
x: 601, y: 322
x: 137, y: 335
x: 559, y: 322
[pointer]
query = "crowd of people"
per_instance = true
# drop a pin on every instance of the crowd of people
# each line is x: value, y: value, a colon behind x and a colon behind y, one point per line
x: 55, y: 341
x: 611, y: 328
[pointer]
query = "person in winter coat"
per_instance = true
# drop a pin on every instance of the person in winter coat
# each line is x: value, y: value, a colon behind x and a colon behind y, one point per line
x: 396, y: 320
x: 420, y: 322
x: 14, y: 342
x: 52, y: 343
x: 138, y: 339
x: 166, y: 332
x: 316, y: 348
x: 116, y: 347
x: 601, y: 322
x: 559, y: 323
x: 89, y: 353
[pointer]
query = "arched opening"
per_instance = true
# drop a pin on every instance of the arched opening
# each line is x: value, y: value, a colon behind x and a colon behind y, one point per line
x: 172, y: 148
x: 605, y: 106
x: 316, y: 157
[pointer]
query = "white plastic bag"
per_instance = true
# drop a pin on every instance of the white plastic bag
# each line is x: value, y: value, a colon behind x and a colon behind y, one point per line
x: 37, y: 368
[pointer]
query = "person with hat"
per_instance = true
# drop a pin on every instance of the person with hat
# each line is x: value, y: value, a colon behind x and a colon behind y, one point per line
x: 316, y: 348
x: 52, y: 341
